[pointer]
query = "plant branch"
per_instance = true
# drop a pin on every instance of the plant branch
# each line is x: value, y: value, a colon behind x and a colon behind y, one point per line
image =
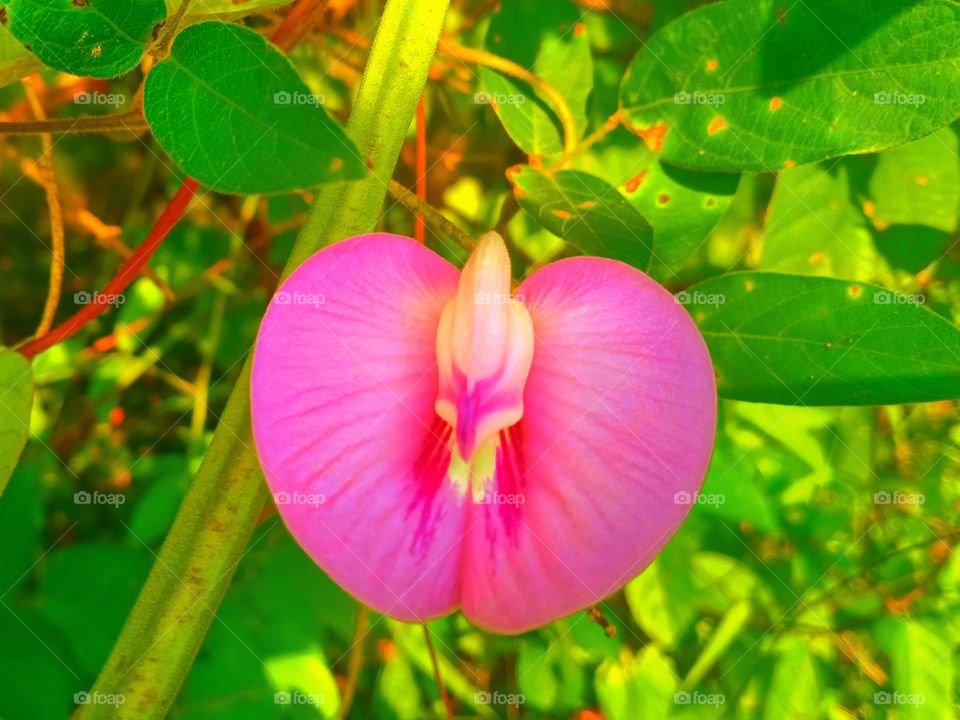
x: 166, y: 627
x: 437, y: 221
x: 171, y: 28
x: 132, y: 122
x: 507, y: 67
x: 48, y: 179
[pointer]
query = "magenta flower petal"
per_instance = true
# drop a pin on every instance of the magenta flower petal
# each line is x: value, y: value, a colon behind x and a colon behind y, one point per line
x: 433, y: 442
x: 617, y: 432
x: 343, y: 391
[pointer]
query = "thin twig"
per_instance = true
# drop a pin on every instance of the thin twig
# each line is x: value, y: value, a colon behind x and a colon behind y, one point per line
x: 132, y: 122
x: 611, y: 124
x: 431, y: 216
x: 436, y: 672
x: 508, y: 67
x: 48, y: 179
x: 128, y: 271
x: 298, y: 22
x: 354, y: 663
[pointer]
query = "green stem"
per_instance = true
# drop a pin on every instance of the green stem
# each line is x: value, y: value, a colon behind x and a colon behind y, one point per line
x: 167, y: 625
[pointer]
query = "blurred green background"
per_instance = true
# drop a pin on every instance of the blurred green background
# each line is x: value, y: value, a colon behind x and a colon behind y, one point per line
x: 816, y: 577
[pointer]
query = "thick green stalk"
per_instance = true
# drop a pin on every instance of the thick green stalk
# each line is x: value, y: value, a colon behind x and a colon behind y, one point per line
x: 167, y: 625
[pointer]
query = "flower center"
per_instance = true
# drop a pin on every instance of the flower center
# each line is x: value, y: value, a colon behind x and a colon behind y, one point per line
x: 484, y: 350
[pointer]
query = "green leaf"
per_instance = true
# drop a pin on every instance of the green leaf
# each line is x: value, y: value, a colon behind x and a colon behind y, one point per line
x: 536, y: 677
x: 732, y: 488
x: 798, y: 340
x: 233, y: 113
x: 814, y: 228
x: 38, y: 684
x: 727, y: 631
x: 99, y: 38
x: 795, y: 690
x: 922, y: 670
x: 919, y: 183
x: 87, y: 591
x: 16, y: 398
x: 304, y: 678
x: 548, y: 40
x: 640, y: 687
x: 397, y: 690
x: 21, y: 523
x: 662, y: 597
x: 681, y: 206
x: 586, y: 212
x: 748, y: 85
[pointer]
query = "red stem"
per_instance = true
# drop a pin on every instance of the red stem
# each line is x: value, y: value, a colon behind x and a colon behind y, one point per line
x: 128, y: 271
x: 419, y: 228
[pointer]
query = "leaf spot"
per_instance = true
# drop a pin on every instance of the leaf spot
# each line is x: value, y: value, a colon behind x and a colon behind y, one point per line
x: 716, y: 125
x: 635, y: 182
x: 653, y: 136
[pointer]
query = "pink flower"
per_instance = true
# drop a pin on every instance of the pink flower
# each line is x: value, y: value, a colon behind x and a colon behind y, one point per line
x: 435, y: 443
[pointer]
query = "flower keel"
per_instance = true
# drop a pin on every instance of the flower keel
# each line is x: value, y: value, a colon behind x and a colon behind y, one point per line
x: 484, y: 351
